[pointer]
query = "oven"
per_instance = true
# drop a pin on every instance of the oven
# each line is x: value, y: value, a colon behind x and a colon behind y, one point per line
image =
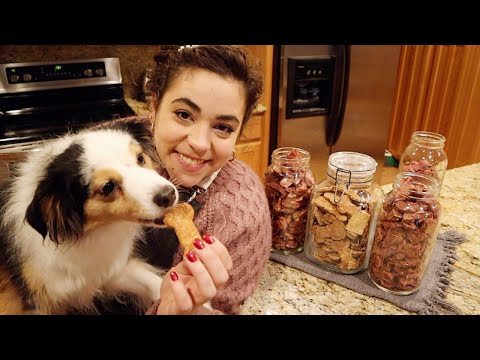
x: 41, y: 100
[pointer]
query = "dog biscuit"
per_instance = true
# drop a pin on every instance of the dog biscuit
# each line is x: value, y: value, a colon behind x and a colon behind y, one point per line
x: 358, y: 222
x: 180, y: 218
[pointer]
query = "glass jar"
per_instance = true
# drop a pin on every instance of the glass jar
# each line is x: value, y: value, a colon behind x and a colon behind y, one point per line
x: 288, y: 184
x: 407, y: 228
x: 342, y: 213
x: 425, y: 155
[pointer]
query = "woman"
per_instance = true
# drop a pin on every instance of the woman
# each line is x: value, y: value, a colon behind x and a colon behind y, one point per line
x: 202, y: 98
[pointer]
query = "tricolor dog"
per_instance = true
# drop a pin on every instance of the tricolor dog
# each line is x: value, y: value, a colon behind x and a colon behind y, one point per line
x: 70, y: 219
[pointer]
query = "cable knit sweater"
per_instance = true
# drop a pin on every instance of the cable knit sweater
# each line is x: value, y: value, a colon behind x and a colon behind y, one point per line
x: 235, y: 210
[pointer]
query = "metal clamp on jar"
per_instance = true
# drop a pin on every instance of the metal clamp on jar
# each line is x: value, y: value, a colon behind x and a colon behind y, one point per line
x: 342, y: 213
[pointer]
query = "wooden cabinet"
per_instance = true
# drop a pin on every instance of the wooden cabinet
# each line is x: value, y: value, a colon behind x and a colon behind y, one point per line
x: 252, y: 145
x: 438, y: 89
x: 250, y: 153
x: 249, y: 144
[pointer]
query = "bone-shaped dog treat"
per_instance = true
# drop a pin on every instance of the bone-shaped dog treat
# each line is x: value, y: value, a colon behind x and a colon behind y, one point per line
x: 180, y: 218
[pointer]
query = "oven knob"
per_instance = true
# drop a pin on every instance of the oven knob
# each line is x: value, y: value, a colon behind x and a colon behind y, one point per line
x: 88, y: 72
x: 27, y: 77
x: 99, y: 72
x: 14, y: 78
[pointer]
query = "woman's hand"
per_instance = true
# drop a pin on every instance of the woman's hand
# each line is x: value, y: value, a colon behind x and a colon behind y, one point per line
x: 196, y: 279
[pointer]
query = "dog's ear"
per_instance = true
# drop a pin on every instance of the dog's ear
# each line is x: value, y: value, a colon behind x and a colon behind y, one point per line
x: 34, y: 215
x: 139, y: 128
x: 57, y: 206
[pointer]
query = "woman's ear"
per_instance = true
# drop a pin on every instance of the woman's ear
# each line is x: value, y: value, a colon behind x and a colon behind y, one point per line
x: 152, y: 106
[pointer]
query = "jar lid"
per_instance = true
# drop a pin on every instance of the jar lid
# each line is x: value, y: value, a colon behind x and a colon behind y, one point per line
x: 352, y: 166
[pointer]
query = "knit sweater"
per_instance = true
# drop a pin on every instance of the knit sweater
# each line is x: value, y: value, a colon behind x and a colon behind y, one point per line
x: 235, y: 211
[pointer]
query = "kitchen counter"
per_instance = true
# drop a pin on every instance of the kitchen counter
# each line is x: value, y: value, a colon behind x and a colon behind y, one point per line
x: 284, y: 290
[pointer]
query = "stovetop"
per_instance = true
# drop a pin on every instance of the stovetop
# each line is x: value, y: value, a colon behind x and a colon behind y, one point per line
x: 43, y: 100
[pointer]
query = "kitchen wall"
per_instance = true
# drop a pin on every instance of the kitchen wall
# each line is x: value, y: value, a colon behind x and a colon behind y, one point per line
x: 133, y: 58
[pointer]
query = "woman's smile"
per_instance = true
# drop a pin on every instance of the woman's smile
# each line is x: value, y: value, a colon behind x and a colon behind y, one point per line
x: 188, y: 162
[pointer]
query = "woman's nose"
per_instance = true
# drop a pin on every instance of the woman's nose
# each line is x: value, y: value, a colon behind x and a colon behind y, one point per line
x: 199, y: 139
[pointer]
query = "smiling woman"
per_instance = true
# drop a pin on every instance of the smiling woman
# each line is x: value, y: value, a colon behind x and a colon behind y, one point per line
x: 195, y: 130
x: 201, y: 98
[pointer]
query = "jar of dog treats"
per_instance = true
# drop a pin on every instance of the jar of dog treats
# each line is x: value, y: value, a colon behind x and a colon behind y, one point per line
x: 425, y: 155
x: 406, y: 231
x: 288, y: 184
x: 342, y: 214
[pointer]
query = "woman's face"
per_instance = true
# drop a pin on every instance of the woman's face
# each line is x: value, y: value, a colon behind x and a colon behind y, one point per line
x: 197, y: 124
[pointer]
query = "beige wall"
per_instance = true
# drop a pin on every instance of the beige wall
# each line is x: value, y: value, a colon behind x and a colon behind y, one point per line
x: 133, y: 58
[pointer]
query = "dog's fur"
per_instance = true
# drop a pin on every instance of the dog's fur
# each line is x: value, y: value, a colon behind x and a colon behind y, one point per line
x: 70, y: 219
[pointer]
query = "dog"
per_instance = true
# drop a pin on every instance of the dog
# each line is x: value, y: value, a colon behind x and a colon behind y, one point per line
x: 71, y: 217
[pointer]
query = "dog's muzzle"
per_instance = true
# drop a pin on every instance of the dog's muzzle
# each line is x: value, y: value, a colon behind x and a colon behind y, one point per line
x: 165, y: 197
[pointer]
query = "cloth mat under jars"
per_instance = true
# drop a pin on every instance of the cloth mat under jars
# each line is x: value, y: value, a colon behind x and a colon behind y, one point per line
x: 429, y: 299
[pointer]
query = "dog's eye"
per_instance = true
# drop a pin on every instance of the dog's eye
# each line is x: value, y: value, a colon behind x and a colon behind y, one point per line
x: 107, y: 188
x: 141, y: 159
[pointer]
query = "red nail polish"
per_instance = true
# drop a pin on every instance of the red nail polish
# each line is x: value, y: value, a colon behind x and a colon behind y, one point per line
x: 174, y: 276
x: 208, y: 239
x: 198, y: 244
x: 191, y: 256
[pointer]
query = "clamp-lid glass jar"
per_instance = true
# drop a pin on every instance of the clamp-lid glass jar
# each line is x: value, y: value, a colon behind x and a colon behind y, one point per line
x: 407, y: 229
x: 288, y: 184
x: 342, y: 213
x: 425, y: 155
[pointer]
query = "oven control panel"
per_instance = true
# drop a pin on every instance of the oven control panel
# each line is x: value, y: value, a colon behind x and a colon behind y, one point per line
x: 34, y: 76
x: 53, y: 72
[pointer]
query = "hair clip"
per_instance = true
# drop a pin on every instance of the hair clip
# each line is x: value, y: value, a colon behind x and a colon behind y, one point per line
x: 187, y: 47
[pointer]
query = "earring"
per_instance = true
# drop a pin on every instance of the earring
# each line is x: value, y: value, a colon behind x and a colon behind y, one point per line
x: 233, y: 155
x: 152, y: 127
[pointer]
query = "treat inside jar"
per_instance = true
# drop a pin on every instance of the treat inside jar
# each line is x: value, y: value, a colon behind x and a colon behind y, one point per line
x: 339, y: 225
x: 288, y: 187
x: 404, y: 237
x: 423, y: 167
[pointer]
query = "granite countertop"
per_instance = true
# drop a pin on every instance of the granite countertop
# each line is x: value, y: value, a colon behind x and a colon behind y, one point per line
x: 284, y: 290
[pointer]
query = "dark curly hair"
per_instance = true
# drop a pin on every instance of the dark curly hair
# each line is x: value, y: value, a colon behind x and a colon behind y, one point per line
x: 231, y: 61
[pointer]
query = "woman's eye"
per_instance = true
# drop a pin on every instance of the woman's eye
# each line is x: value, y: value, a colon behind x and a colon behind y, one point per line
x: 107, y: 188
x: 225, y: 128
x: 184, y: 115
x: 140, y: 159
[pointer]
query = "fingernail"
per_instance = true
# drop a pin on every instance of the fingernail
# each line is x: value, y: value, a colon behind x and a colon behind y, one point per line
x: 198, y: 244
x: 208, y: 239
x: 174, y: 276
x: 191, y: 256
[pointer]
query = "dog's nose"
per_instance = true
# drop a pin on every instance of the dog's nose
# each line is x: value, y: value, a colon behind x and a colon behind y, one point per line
x: 165, y: 197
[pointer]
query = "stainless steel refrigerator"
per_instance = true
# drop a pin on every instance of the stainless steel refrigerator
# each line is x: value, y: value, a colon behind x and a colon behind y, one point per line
x: 329, y: 98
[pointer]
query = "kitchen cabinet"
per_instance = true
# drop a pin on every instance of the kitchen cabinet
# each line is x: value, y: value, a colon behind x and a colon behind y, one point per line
x: 250, y: 154
x: 438, y: 89
x: 249, y: 145
x: 253, y: 145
